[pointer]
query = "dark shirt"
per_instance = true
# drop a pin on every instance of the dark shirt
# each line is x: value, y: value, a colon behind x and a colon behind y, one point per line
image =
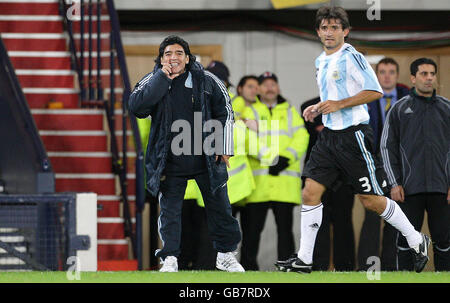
x: 191, y: 161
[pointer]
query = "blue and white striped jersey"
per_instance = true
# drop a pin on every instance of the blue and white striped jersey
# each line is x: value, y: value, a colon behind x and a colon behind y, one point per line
x: 344, y: 74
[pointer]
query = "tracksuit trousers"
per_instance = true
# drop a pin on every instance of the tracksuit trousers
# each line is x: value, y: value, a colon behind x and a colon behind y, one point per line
x: 337, y: 212
x: 255, y: 219
x: 438, y: 211
x: 222, y: 226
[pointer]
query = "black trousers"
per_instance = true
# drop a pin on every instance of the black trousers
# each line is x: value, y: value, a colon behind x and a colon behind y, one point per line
x: 337, y: 211
x: 437, y: 208
x: 369, y: 243
x: 255, y: 218
x: 197, y: 251
x: 223, y: 228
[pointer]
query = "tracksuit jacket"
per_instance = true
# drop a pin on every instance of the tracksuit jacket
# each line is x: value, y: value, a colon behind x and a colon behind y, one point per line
x: 415, y: 144
x: 149, y: 97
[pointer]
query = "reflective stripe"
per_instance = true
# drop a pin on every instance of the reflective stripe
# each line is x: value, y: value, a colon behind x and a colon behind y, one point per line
x: 441, y: 249
x: 237, y: 170
x: 292, y: 151
x: 275, y: 132
x: 265, y: 172
x: 290, y: 173
x: 255, y: 113
x: 261, y: 172
x: 294, y: 129
x: 289, y: 121
x: 262, y: 151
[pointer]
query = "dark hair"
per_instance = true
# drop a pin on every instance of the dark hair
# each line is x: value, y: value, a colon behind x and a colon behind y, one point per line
x: 387, y: 61
x: 171, y: 40
x: 332, y: 12
x: 244, y: 80
x: 415, y: 65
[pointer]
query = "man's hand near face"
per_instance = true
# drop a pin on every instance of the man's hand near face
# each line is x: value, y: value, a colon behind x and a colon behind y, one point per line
x: 167, y: 69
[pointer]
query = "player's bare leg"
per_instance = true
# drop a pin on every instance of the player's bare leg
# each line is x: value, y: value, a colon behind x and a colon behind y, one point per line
x: 312, y: 192
x: 393, y: 214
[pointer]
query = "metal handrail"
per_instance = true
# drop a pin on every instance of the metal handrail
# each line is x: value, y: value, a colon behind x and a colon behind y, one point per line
x: 140, y: 189
x: 119, y: 166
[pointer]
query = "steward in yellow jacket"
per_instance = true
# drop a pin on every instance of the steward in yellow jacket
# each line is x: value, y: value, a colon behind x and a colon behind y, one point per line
x: 283, y: 139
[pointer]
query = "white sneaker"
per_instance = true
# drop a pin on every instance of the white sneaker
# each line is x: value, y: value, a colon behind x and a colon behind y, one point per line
x: 227, y: 262
x: 170, y: 264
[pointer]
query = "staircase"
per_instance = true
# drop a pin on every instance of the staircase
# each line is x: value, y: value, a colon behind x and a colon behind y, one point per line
x: 76, y: 138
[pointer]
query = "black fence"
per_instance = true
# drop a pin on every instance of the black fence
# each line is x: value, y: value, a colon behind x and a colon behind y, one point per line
x: 38, y: 232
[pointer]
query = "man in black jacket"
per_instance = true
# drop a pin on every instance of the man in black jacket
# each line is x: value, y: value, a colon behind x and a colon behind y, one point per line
x: 415, y: 147
x: 186, y: 103
x: 387, y: 71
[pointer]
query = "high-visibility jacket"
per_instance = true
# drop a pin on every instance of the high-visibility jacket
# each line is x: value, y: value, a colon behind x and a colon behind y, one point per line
x: 192, y: 191
x: 239, y: 105
x: 283, y: 132
x: 144, y: 132
x: 240, y: 182
x: 240, y: 177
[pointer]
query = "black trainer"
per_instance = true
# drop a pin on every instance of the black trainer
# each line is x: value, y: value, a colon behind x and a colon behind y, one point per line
x: 283, y: 264
x: 421, y: 256
x: 295, y: 265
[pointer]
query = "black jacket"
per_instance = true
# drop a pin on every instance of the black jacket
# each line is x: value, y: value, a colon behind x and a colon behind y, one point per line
x: 149, y: 97
x: 415, y: 144
x: 375, y: 109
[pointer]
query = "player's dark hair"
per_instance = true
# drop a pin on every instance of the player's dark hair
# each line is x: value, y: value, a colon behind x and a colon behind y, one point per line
x: 171, y: 40
x: 415, y: 65
x: 244, y: 80
x: 387, y: 61
x: 332, y: 12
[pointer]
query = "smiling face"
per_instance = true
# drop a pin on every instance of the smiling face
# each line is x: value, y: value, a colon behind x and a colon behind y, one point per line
x: 174, y: 55
x: 331, y: 34
x: 424, y: 80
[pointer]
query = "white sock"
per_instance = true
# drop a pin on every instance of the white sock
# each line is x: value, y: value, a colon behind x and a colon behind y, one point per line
x: 311, y: 219
x: 394, y: 215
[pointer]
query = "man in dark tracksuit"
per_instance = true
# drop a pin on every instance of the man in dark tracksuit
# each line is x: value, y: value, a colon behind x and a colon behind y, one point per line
x: 186, y: 103
x: 387, y: 71
x: 337, y: 212
x: 415, y: 147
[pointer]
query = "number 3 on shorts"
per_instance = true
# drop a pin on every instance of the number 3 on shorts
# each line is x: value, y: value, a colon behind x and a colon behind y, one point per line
x: 365, y: 184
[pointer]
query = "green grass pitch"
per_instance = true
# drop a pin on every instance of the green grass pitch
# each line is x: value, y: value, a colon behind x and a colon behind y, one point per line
x: 223, y: 277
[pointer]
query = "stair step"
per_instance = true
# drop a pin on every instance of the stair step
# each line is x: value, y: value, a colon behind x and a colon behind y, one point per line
x: 46, y: 81
x: 41, y: 26
x: 81, y: 183
x: 75, y: 141
x: 35, y: 44
x: 29, y: 8
x: 112, y: 249
x: 42, y: 100
x: 83, y: 162
x: 117, y: 265
x: 47, y: 24
x: 114, y: 230
x: 68, y: 119
x: 113, y: 208
x: 22, y: 61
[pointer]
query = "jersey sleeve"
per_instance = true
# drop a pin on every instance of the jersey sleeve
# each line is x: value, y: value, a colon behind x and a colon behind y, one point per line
x: 362, y: 73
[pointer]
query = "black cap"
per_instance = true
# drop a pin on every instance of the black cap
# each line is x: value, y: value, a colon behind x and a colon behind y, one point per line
x: 267, y: 75
x: 220, y: 70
